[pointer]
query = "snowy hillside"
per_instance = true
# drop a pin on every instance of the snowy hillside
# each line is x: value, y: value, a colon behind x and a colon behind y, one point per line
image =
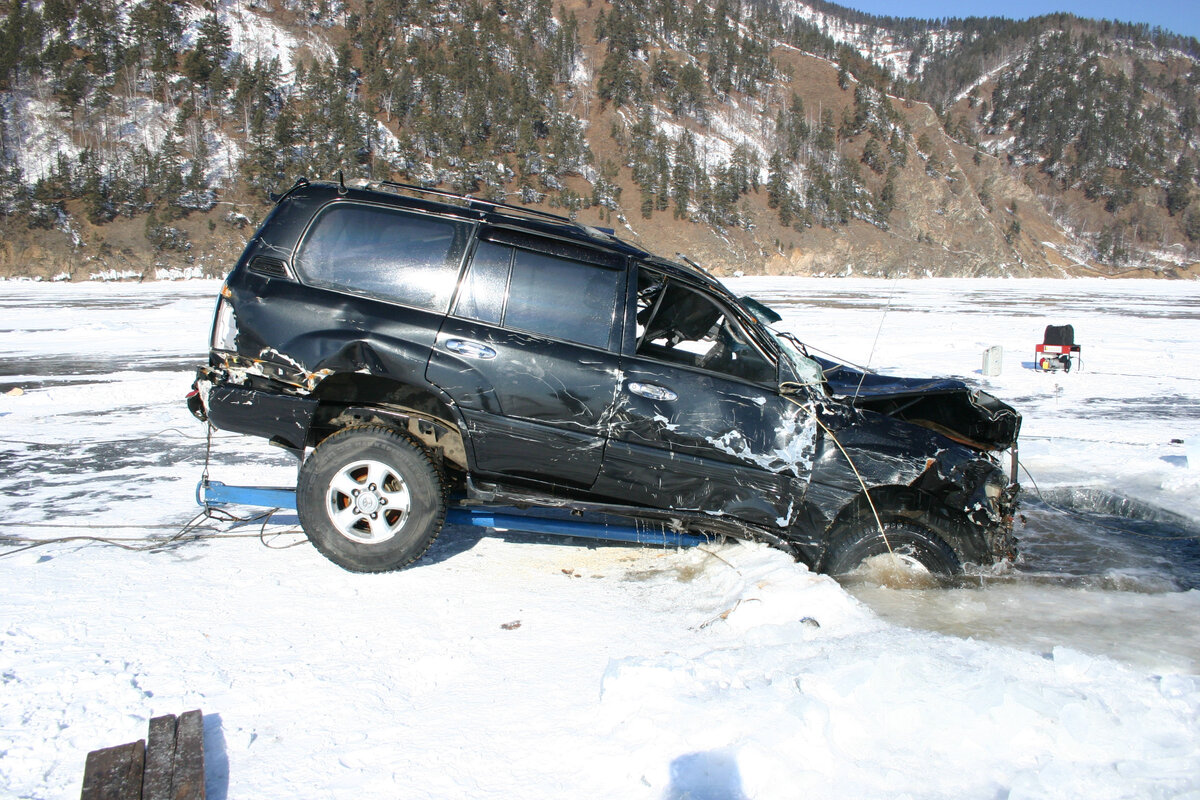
x: 754, y: 136
x: 874, y: 43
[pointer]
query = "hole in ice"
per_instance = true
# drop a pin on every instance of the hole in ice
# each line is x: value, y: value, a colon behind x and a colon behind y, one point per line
x: 1095, y: 537
x: 1099, y: 571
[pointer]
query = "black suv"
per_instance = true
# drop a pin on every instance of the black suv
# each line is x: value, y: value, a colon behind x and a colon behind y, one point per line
x: 415, y: 348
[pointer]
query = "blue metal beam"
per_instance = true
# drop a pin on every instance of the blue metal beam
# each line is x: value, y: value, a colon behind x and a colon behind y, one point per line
x: 215, y: 493
x: 484, y: 518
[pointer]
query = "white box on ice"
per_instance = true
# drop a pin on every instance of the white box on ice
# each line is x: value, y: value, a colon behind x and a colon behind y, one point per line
x: 993, y: 360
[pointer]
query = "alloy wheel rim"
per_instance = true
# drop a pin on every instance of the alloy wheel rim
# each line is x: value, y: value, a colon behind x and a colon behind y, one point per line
x: 368, y: 502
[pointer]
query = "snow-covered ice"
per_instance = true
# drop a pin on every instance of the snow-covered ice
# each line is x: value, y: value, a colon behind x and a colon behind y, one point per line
x: 505, y: 665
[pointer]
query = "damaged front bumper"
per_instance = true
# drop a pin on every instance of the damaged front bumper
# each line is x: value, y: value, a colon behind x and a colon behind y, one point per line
x: 991, y: 507
x: 986, y: 498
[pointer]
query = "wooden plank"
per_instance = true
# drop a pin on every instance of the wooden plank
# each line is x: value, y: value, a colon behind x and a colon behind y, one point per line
x: 114, y: 773
x: 160, y: 759
x: 188, y: 781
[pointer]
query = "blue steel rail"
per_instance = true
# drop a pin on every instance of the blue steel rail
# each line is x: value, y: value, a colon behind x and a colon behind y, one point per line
x: 214, y: 493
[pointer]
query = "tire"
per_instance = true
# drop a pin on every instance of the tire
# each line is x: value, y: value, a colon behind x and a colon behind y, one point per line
x: 370, y: 499
x: 911, y: 542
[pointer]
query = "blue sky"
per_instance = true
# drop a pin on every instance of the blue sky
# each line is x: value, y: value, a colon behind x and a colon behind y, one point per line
x: 1180, y: 16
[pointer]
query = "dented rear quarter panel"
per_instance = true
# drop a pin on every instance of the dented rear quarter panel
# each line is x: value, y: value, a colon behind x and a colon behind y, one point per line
x: 318, y: 329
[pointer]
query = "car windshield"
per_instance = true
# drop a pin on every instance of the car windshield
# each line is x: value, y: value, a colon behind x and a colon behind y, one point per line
x: 807, y: 370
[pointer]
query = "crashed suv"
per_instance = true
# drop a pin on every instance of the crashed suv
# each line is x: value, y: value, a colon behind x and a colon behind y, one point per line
x: 414, y: 348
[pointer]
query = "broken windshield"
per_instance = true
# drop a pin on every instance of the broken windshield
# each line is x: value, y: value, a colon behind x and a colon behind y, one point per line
x: 807, y: 370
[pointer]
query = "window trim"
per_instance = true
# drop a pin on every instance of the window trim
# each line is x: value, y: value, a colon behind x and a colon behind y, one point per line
x: 465, y: 270
x: 559, y: 247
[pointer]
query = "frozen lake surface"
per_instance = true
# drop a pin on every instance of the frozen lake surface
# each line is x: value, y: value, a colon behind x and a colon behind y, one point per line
x: 508, y: 665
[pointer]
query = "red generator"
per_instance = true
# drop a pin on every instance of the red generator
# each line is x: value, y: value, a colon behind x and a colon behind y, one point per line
x: 1057, y: 348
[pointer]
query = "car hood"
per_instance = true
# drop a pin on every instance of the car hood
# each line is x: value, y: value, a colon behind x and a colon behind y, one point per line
x: 950, y: 407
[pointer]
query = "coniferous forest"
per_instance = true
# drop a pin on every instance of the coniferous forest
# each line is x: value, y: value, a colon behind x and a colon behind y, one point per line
x: 756, y: 134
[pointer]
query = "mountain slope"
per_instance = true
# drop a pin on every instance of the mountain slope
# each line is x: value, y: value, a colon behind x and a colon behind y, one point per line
x: 753, y: 136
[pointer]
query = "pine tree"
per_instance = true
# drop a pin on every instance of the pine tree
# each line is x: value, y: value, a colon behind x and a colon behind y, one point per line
x: 156, y: 30
x: 1012, y: 231
x: 826, y: 137
x: 683, y: 174
x: 897, y: 148
x: 99, y: 31
x: 647, y: 203
x: 91, y: 189
x: 203, y: 64
x: 618, y: 82
x: 873, y: 156
x: 1179, y: 190
x: 1191, y: 225
x: 886, y: 201
x: 779, y: 194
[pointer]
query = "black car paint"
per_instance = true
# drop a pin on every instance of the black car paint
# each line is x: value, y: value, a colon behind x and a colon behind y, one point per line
x: 280, y: 418
x: 714, y: 447
x: 560, y: 419
x: 529, y: 395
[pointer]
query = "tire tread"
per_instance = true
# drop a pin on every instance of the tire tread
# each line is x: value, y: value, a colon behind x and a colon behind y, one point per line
x: 404, y: 440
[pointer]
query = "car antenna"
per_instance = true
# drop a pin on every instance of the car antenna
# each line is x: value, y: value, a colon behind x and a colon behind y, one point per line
x: 871, y: 355
x: 341, y: 182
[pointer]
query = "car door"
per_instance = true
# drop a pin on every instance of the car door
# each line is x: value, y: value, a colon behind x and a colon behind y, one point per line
x: 698, y: 423
x: 530, y: 355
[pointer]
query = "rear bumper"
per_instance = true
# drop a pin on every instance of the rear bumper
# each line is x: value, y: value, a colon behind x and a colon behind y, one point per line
x: 281, y: 418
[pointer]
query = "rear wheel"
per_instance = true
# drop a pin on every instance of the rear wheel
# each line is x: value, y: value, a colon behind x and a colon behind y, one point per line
x: 370, y: 499
x: 913, y: 545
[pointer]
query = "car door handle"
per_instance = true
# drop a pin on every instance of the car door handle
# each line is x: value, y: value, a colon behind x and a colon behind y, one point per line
x: 651, y: 391
x: 465, y: 347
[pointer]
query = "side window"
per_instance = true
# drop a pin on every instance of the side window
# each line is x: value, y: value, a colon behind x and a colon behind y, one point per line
x: 385, y: 253
x: 681, y: 325
x: 560, y: 298
x: 547, y: 295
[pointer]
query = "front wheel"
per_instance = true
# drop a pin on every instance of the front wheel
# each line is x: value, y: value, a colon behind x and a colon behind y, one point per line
x: 913, y: 545
x: 370, y: 499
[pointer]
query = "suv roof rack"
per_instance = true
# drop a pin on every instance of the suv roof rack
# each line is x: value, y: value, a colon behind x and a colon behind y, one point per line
x: 471, y: 202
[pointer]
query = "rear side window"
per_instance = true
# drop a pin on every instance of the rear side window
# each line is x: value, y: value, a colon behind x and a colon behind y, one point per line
x: 385, y: 253
x: 548, y: 295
